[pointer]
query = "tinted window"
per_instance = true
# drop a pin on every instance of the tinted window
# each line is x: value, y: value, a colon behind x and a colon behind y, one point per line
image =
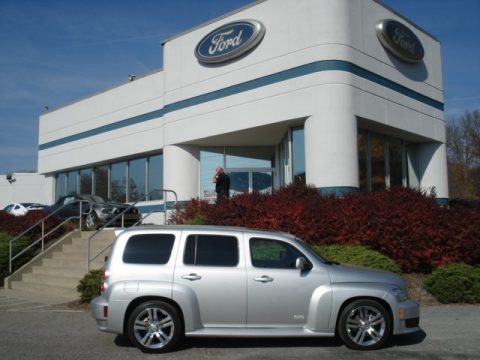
x: 211, y: 250
x: 266, y: 253
x: 148, y: 249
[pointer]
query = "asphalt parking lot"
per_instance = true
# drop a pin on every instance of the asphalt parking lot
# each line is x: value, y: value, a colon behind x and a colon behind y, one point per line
x: 32, y: 330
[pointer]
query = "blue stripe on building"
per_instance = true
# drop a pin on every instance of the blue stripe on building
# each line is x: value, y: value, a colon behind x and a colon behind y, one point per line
x: 307, y: 69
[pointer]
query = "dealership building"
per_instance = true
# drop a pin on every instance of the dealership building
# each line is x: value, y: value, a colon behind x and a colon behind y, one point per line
x: 342, y: 95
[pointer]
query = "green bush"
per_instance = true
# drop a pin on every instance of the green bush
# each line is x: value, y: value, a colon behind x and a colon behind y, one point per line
x: 198, y: 219
x: 455, y: 283
x: 89, y: 287
x: 357, y: 255
x: 18, y: 246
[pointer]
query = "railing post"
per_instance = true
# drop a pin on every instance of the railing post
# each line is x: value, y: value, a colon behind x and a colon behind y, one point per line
x: 80, y: 217
x: 10, y: 257
x: 165, y: 207
x: 43, y: 236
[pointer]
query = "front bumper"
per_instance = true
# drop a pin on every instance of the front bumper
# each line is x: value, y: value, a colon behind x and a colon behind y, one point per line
x: 407, y: 317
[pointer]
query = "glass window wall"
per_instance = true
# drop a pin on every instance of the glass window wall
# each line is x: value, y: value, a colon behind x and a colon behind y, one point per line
x: 86, y: 181
x: 118, y: 181
x: 101, y: 181
x: 72, y: 182
x: 155, y: 177
x: 137, y: 179
x: 384, y: 161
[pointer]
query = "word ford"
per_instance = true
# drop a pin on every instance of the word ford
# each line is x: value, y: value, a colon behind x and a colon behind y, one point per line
x: 400, y: 38
x: 219, y: 43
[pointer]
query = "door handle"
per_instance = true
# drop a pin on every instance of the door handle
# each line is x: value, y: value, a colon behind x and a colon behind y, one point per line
x: 264, y: 279
x: 191, y: 277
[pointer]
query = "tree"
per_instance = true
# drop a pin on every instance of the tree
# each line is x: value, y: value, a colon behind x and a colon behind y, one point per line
x: 463, y: 151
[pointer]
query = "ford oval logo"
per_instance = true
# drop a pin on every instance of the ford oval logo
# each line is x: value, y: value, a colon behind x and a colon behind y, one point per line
x: 400, y: 41
x: 229, y: 41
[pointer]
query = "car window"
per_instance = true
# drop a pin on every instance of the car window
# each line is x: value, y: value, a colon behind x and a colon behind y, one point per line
x: 268, y: 253
x: 211, y: 250
x: 148, y: 249
x: 8, y: 208
x: 68, y: 200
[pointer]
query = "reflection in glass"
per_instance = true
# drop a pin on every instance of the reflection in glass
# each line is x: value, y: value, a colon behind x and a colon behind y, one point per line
x: 395, y: 162
x: 377, y: 156
x: 155, y: 176
x: 60, y: 186
x: 239, y: 182
x: 298, y: 154
x: 101, y: 181
x: 249, y: 157
x: 262, y: 182
x: 72, y: 181
x: 86, y: 181
x: 118, y: 182
x: 137, y: 180
x: 362, y: 161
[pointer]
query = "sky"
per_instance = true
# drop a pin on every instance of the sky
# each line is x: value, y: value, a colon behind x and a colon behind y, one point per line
x: 53, y: 52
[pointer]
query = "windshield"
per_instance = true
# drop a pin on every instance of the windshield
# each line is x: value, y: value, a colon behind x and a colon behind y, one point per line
x: 8, y: 208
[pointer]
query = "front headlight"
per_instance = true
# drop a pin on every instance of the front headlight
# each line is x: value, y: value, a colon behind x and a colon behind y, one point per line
x: 400, y: 294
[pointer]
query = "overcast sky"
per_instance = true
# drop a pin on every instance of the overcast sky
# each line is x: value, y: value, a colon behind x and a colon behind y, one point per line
x: 53, y: 52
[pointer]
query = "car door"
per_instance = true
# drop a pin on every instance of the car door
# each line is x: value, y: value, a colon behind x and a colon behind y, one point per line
x: 213, y: 267
x: 278, y: 294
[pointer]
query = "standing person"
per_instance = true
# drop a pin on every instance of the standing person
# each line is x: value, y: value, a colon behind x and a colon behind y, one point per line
x: 222, y: 184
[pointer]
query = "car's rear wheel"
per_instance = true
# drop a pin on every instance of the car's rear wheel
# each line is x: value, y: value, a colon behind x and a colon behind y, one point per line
x: 364, y: 325
x: 154, y: 327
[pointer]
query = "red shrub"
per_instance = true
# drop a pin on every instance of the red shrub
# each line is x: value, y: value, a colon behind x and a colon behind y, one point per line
x: 15, y: 225
x: 404, y: 224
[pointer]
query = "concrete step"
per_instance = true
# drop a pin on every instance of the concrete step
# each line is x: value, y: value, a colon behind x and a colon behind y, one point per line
x: 64, y: 293
x: 74, y: 263
x: 58, y: 273
x: 61, y: 280
x: 58, y: 270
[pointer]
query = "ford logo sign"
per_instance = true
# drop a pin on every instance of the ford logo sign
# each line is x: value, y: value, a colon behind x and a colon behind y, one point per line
x: 229, y: 41
x: 400, y: 41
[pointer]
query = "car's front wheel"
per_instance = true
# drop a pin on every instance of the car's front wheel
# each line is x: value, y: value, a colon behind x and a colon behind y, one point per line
x: 91, y: 221
x: 154, y: 327
x: 364, y: 325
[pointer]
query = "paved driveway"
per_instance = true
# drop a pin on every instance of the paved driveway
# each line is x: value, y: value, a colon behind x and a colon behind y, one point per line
x: 32, y: 330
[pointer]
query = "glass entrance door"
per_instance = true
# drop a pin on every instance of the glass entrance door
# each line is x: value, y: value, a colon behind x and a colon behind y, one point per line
x: 248, y: 180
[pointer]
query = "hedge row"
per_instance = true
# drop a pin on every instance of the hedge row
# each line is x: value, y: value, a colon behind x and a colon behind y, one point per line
x: 15, y: 225
x: 405, y: 225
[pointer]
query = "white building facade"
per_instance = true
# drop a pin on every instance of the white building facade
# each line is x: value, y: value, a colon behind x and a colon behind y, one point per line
x: 342, y: 95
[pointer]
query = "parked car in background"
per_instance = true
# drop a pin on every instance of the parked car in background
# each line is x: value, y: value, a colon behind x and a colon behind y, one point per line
x: 163, y: 282
x: 20, y: 209
x: 96, y: 210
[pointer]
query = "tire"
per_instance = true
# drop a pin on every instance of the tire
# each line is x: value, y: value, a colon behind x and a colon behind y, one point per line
x: 154, y: 327
x: 91, y: 221
x: 364, y: 325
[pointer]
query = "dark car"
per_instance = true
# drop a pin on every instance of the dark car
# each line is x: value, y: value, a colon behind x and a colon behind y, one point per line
x: 97, y: 210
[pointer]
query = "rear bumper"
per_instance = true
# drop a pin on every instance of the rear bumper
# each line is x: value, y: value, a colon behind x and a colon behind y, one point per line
x: 97, y: 309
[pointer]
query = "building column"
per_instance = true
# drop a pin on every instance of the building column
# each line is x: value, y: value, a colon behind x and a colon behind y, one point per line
x: 432, y: 160
x: 181, y: 168
x: 331, y: 156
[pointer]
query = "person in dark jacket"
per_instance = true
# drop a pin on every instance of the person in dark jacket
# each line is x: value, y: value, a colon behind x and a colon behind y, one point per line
x: 222, y: 184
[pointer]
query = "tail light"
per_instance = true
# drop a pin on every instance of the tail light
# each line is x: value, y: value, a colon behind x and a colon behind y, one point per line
x: 104, y: 278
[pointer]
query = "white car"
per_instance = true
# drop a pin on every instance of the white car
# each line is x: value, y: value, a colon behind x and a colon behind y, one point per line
x: 20, y: 209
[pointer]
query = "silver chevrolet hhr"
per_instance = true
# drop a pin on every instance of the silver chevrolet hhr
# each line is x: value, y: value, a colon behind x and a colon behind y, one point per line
x: 165, y: 282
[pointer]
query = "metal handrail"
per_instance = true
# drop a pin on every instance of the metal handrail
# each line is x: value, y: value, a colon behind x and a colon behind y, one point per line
x: 42, y: 238
x: 146, y: 196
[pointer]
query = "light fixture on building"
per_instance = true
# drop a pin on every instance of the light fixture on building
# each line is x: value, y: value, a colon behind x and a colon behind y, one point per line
x: 131, y: 77
x: 11, y: 178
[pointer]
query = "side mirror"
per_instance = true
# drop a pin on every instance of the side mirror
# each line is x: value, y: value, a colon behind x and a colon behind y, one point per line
x: 302, y: 264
